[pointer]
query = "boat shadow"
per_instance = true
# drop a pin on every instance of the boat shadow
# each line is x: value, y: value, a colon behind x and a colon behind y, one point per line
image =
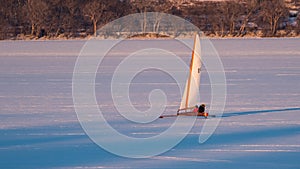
x: 259, y: 111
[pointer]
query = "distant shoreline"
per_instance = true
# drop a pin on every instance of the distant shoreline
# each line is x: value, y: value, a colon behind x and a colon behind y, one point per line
x: 140, y: 38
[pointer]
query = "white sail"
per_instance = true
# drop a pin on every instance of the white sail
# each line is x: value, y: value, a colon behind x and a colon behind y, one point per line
x: 191, y: 93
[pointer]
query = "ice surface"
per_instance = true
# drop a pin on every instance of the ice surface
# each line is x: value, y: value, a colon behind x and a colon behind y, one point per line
x: 260, y: 127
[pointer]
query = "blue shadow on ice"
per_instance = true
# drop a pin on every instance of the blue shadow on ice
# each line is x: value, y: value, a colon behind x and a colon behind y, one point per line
x: 49, y: 147
x: 259, y: 111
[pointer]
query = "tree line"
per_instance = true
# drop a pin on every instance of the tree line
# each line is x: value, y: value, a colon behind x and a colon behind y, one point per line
x: 80, y: 18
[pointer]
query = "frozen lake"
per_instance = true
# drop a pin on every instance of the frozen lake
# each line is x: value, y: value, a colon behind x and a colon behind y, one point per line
x: 260, y: 127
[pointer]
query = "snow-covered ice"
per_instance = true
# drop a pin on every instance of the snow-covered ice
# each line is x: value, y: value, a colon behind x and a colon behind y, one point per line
x: 260, y: 127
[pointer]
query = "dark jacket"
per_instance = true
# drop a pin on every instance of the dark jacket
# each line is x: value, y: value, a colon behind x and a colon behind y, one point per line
x: 201, y: 109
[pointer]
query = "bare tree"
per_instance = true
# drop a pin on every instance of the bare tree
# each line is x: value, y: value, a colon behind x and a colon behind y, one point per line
x: 212, y: 19
x: 11, y: 17
x: 251, y: 6
x: 272, y: 11
x: 3, y: 24
x: 38, y: 12
x: 94, y: 9
x: 218, y: 18
x: 157, y: 6
x: 142, y: 7
x: 231, y: 11
x: 160, y: 6
x: 59, y: 16
x: 5, y: 14
x: 42, y: 17
x: 75, y: 20
x: 298, y: 24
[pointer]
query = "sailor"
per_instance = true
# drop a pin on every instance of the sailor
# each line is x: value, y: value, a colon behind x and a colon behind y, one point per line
x: 201, y: 108
x: 201, y: 111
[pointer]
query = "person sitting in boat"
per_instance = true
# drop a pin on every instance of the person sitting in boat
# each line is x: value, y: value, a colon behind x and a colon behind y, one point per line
x: 201, y: 108
x: 201, y: 111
